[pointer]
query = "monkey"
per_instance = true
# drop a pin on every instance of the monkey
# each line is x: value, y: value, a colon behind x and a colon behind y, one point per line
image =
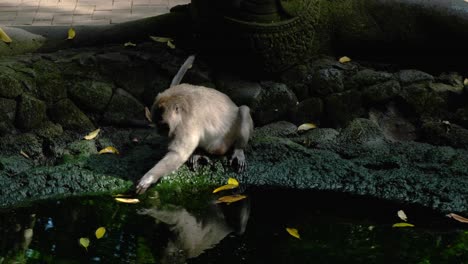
x: 197, y: 117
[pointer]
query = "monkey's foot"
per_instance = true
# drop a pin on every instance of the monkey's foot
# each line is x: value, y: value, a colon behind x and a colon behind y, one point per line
x: 238, y: 161
x: 145, y: 182
x: 196, y: 160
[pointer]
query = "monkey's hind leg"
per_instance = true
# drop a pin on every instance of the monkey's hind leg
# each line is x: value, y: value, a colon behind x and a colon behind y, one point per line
x: 245, y: 127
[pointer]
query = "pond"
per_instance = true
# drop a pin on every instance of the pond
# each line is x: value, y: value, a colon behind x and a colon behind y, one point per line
x: 333, y: 228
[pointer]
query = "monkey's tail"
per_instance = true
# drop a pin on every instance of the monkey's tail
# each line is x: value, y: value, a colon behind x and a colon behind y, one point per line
x: 183, y: 69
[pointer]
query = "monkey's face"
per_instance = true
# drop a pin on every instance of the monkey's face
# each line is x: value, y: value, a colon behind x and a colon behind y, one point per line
x: 166, y: 118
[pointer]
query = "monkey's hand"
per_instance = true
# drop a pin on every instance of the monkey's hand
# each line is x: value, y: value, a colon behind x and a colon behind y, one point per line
x: 145, y: 182
x: 238, y: 160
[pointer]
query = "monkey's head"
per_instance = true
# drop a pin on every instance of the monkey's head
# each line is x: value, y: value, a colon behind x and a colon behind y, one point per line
x: 166, y: 113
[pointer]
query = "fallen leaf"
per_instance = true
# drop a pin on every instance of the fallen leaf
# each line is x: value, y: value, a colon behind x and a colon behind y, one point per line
x: 170, y: 44
x: 160, y: 39
x: 122, y: 195
x: 127, y: 200
x: 84, y: 242
x: 293, y: 232
x: 71, y: 33
x: 344, y: 59
x: 225, y: 187
x: 111, y: 150
x: 93, y: 134
x: 306, y: 126
x: 458, y: 218
x: 129, y: 44
x: 402, y: 215
x: 148, y: 114
x: 465, y: 82
x: 402, y: 225
x: 4, y: 37
x: 231, y: 198
x: 100, y: 232
x: 24, y: 154
x: 136, y: 140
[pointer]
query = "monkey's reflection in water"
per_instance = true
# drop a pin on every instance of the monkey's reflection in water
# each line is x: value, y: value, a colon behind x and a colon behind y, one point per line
x: 192, y: 235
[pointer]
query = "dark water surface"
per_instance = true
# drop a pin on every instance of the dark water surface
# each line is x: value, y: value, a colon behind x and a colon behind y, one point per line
x: 334, y: 228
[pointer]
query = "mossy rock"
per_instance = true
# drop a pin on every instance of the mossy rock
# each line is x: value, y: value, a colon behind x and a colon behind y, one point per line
x: 8, y: 109
x: 123, y: 107
x: 49, y: 130
x: 50, y: 83
x: 91, y: 96
x: 67, y: 114
x: 31, y: 112
x: 10, y: 84
x: 341, y: 108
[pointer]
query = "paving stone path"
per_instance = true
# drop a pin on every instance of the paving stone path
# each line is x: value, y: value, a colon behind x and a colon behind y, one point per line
x: 80, y: 12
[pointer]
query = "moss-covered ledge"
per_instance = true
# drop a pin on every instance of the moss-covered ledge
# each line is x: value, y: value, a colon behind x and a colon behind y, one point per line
x: 357, y: 160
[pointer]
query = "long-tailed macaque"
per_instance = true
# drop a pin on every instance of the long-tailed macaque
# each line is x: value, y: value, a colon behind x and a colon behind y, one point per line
x: 197, y: 117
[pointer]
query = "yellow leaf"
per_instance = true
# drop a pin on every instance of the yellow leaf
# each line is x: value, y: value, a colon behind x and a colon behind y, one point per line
x: 458, y: 218
x: 402, y: 225
x: 100, y: 232
x: 225, y: 187
x: 293, y: 232
x: 233, y: 181
x: 71, y: 33
x: 84, y: 242
x: 160, y: 39
x: 465, y: 82
x: 127, y: 200
x: 93, y: 134
x: 129, y: 44
x: 402, y: 215
x: 306, y: 126
x: 231, y: 198
x: 111, y: 150
x: 170, y: 44
x: 344, y: 59
x: 24, y: 154
x: 4, y: 37
x: 148, y: 114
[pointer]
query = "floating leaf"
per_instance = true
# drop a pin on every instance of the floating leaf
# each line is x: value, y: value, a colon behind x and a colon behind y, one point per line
x: 24, y: 154
x: 458, y: 218
x: 160, y: 39
x: 4, y: 37
x: 233, y: 181
x: 84, y: 242
x: 225, y: 187
x: 71, y: 33
x: 293, y: 232
x: 127, y: 200
x: 170, y: 44
x: 306, y: 126
x: 402, y: 215
x: 129, y: 44
x: 231, y: 198
x: 402, y: 225
x: 344, y: 59
x: 100, y: 232
x: 111, y: 150
x: 93, y: 134
x: 148, y: 114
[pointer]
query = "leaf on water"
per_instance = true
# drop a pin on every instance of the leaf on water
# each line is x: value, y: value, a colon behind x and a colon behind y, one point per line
x: 93, y: 134
x: 402, y: 215
x: 233, y: 181
x: 231, y: 198
x: 109, y: 149
x: 71, y: 33
x: 293, y: 232
x: 100, y: 232
x: 306, y: 126
x: 160, y: 39
x: 344, y: 59
x: 458, y: 218
x: 24, y: 154
x: 84, y: 242
x: 402, y: 225
x: 129, y: 44
x: 225, y: 187
x: 170, y: 44
x: 127, y: 200
x: 4, y: 37
x: 148, y: 114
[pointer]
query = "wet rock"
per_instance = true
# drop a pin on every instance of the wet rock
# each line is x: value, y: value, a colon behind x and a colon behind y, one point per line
x: 369, y: 77
x: 381, y: 92
x: 123, y: 107
x: 273, y: 103
x: 49, y: 130
x: 157, y: 84
x: 318, y: 137
x: 309, y: 110
x: 91, y: 96
x: 8, y: 108
x: 445, y: 133
x: 49, y: 80
x: 69, y: 116
x: 413, y: 76
x: 10, y: 84
x: 31, y: 112
x: 242, y: 92
x: 341, y: 108
x: 451, y: 78
x: 276, y: 129
x: 297, y: 79
x: 422, y: 101
x: 326, y: 81
x: 461, y: 115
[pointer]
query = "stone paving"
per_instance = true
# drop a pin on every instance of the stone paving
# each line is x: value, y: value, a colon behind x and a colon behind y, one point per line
x: 80, y: 12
